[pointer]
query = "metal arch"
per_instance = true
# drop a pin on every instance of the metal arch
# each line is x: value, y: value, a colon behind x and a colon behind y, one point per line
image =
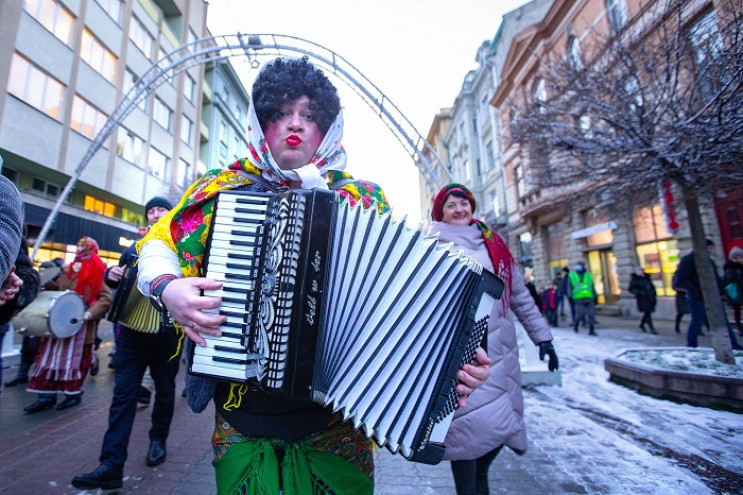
x: 216, y: 48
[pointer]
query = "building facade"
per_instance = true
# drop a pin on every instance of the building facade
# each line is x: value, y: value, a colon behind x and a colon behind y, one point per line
x: 64, y: 66
x: 224, y: 117
x: 545, y: 237
x: 612, y: 241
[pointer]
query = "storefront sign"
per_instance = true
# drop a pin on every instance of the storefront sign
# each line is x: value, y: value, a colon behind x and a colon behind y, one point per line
x: 594, y: 229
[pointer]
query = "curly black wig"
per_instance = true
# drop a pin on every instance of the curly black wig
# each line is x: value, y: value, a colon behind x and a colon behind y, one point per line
x: 286, y: 80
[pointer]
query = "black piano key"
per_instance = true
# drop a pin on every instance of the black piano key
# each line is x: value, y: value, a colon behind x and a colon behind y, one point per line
x: 229, y: 360
x: 235, y: 276
x: 231, y: 335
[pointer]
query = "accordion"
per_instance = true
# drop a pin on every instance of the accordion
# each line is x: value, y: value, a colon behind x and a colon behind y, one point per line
x: 346, y: 307
x: 130, y: 307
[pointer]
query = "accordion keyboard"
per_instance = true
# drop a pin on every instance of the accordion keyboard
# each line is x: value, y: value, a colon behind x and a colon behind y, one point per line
x: 234, y: 252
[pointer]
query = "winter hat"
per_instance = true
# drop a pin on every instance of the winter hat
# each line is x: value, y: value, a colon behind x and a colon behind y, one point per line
x: 157, y: 201
x: 437, y: 213
x: 11, y: 226
x: 734, y: 252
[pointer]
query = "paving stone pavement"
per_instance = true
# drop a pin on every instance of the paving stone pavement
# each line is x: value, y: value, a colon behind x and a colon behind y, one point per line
x: 41, y: 453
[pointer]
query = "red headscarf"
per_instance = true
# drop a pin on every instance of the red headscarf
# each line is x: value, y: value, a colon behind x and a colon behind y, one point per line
x: 498, y: 251
x: 90, y: 276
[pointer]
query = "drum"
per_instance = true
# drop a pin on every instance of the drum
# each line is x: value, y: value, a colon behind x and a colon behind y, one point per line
x: 52, y: 314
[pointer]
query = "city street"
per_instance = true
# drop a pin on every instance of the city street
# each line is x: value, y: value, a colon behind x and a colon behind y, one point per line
x: 586, y: 436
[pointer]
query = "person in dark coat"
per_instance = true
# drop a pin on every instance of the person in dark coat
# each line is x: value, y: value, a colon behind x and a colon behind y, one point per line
x: 734, y: 275
x: 688, y: 279
x: 642, y: 287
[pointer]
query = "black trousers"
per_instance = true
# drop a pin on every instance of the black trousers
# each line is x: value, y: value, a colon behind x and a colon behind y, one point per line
x: 471, y: 477
x: 135, y: 351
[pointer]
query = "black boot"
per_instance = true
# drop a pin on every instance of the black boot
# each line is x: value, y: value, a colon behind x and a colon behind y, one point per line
x: 590, y: 331
x: 70, y: 401
x: 45, y: 401
x: 642, y: 327
x: 575, y: 328
x: 652, y: 330
x: 104, y: 477
x: 17, y: 380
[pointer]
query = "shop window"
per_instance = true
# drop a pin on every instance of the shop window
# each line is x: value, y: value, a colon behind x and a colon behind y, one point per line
x: 656, y: 250
x: 659, y: 259
x: 99, y: 206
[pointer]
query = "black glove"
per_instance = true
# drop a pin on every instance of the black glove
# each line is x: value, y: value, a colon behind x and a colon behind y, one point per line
x: 547, y: 349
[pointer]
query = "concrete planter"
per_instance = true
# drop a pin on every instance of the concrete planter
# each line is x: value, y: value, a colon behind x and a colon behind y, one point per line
x: 706, y: 390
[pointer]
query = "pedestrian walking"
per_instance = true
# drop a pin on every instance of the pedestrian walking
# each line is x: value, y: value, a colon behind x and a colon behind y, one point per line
x: 493, y: 415
x: 549, y: 301
x: 642, y: 287
x: 63, y: 363
x: 583, y: 295
x: 145, y: 341
x: 688, y: 279
x: 733, y: 284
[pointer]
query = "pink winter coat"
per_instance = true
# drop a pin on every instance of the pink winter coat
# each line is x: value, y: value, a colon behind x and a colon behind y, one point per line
x: 494, y: 414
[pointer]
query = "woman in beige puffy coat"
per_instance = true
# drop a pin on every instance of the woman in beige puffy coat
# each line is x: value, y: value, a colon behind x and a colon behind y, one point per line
x: 494, y: 414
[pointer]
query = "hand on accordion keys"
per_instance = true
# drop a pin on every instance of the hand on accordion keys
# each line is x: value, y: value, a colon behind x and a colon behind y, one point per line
x: 472, y: 376
x: 183, y: 300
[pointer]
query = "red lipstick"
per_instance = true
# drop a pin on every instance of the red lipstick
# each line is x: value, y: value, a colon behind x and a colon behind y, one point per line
x: 293, y: 140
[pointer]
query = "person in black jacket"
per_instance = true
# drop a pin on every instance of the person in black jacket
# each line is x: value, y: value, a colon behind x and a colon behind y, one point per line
x: 734, y: 275
x: 642, y: 287
x: 688, y: 279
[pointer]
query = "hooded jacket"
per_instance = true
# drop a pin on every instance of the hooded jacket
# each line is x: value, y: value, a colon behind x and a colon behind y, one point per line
x: 494, y: 414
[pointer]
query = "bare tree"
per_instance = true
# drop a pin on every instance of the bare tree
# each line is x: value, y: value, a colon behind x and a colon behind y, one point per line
x: 659, y: 101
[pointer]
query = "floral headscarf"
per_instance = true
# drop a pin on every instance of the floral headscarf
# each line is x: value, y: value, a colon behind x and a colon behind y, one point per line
x: 90, y: 276
x: 330, y: 155
x: 498, y: 251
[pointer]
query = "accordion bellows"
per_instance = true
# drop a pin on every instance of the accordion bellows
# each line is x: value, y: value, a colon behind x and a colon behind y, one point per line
x: 130, y: 307
x: 346, y: 307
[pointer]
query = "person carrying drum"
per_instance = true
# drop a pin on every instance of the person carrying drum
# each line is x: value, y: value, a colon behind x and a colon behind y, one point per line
x: 63, y: 363
x: 155, y: 347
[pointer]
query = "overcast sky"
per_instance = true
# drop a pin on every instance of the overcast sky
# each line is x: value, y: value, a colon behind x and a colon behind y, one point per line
x: 416, y: 52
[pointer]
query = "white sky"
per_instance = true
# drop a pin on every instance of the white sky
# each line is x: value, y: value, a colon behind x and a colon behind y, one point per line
x: 416, y: 52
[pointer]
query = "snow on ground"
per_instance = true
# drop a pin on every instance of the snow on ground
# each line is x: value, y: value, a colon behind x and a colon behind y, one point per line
x: 593, y: 436
x: 628, y: 442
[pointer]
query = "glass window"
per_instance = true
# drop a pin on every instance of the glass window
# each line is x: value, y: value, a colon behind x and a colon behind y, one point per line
x: 86, y: 119
x: 616, y: 14
x: 98, y: 56
x: 649, y: 224
x: 189, y: 88
x: 659, y: 259
x: 184, y: 173
x: 35, y: 87
x: 129, y: 146
x: 489, y: 155
x: 540, y: 94
x: 112, y: 8
x: 51, y: 15
x: 158, y: 164
x: 520, y: 182
x: 141, y: 38
x: 99, y: 206
x: 186, y: 130
x: 162, y: 114
x: 576, y: 63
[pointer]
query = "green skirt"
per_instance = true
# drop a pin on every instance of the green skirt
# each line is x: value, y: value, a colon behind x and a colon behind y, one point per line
x: 338, y: 460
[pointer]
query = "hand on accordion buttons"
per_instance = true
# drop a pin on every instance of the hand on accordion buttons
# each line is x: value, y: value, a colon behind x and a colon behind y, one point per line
x: 183, y: 300
x: 472, y: 376
x: 547, y: 349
